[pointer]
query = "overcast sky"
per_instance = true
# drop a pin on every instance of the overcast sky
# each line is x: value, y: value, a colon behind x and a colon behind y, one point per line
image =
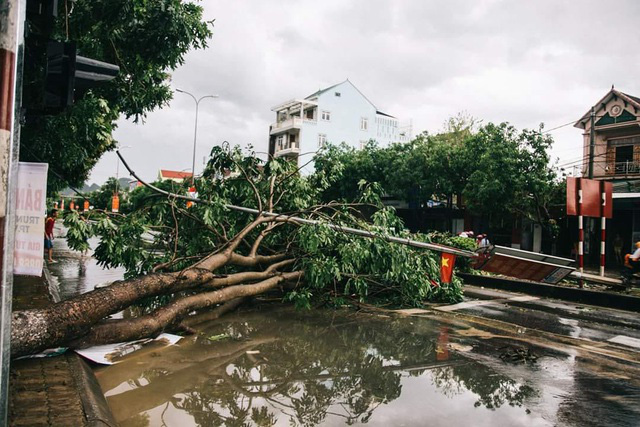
x: 524, y: 62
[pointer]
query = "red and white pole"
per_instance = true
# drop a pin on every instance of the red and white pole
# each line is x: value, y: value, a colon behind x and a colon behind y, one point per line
x: 580, y: 244
x: 602, y: 243
x: 580, y: 232
x: 603, y: 227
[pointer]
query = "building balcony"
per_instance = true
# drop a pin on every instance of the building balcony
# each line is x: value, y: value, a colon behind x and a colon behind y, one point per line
x: 291, y: 149
x: 288, y: 124
x: 285, y: 125
x: 622, y: 168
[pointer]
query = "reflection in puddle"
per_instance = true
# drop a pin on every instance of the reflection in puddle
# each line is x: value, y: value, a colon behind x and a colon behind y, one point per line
x: 284, y: 367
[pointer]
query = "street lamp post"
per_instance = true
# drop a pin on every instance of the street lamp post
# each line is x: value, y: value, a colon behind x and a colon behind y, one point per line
x: 195, y: 131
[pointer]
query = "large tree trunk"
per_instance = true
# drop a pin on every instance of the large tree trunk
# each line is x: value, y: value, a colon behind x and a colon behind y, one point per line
x: 38, y: 329
x: 80, y: 321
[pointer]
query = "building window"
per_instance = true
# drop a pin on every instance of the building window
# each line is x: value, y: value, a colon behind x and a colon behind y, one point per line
x: 279, y: 142
x: 322, y: 140
x: 326, y: 116
x: 310, y: 114
x: 338, y: 94
x: 363, y: 143
x: 364, y: 123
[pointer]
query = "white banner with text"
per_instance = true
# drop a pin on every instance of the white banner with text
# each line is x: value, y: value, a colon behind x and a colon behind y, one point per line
x: 31, y: 212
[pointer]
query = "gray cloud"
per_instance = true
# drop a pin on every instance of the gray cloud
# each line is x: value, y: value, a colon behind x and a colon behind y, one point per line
x: 518, y: 61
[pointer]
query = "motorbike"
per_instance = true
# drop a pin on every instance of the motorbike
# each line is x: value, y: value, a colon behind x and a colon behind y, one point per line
x: 630, y: 274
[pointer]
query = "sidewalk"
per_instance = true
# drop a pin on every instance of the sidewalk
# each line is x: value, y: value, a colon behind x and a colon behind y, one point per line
x: 57, y: 391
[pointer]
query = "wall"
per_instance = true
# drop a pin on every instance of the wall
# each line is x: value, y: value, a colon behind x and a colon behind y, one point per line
x: 346, y: 111
x: 604, y: 133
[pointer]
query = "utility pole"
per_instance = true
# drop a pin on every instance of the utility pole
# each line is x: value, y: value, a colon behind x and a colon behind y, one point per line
x: 12, y: 15
x: 592, y: 141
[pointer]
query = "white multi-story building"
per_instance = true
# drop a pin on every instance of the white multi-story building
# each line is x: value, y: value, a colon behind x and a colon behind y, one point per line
x: 339, y: 113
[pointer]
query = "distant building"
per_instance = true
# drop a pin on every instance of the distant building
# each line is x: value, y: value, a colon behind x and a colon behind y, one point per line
x: 169, y: 175
x: 616, y: 158
x: 134, y: 184
x: 339, y: 113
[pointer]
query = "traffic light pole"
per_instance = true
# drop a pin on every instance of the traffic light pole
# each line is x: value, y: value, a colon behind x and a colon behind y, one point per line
x: 12, y: 15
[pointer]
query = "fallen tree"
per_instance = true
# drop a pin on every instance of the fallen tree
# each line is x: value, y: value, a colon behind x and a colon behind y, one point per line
x: 182, y: 260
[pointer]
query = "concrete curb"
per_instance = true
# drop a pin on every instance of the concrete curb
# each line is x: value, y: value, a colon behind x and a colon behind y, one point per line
x: 96, y: 409
x: 582, y: 296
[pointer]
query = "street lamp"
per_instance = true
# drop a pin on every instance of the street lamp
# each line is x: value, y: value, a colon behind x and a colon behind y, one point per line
x: 195, y: 131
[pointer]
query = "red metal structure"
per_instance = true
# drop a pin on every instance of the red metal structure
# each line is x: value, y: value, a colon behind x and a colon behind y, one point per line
x: 590, y: 198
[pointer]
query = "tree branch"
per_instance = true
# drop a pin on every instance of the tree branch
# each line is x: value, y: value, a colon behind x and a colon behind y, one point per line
x: 219, y: 259
x: 247, y: 276
x: 250, y: 261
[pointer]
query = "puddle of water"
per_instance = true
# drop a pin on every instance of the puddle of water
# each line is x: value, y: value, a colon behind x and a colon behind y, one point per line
x: 282, y: 367
x: 75, y: 273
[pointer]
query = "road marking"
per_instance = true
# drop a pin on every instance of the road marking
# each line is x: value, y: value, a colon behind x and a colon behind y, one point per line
x: 625, y: 340
x: 524, y: 298
x: 413, y: 311
x: 478, y: 303
x: 468, y: 304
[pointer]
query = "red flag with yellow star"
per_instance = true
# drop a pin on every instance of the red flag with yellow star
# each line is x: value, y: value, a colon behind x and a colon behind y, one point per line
x: 446, y: 267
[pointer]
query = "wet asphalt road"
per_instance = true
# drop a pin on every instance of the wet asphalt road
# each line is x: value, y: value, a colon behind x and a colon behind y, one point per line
x: 558, y: 317
x: 73, y: 273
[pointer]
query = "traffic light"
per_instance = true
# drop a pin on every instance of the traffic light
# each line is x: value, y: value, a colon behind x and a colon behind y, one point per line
x: 69, y: 76
x: 60, y: 73
x: 54, y: 74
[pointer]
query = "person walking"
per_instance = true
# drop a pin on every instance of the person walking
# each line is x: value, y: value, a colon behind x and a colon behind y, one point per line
x: 48, y: 233
x: 617, y: 248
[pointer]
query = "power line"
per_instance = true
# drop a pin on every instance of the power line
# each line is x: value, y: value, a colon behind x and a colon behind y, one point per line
x: 558, y: 127
x: 567, y: 124
x: 579, y: 160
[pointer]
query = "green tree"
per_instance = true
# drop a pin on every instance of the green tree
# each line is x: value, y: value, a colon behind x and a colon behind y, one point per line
x: 146, y: 39
x: 512, y: 175
x: 179, y: 260
x: 101, y: 198
x: 501, y: 173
